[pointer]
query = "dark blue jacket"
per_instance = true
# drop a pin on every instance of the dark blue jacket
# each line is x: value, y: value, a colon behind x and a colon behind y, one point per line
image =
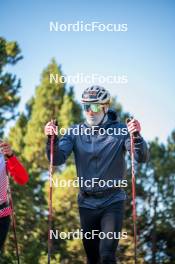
x: 98, y: 155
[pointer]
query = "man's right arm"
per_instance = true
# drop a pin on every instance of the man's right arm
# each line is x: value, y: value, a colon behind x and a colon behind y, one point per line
x: 62, y: 148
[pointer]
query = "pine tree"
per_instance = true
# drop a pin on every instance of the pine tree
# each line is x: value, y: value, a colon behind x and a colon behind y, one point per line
x: 47, y: 104
x: 70, y: 112
x: 156, y: 198
x: 10, y: 54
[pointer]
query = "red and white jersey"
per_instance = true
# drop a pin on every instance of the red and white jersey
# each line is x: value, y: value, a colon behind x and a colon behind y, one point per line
x: 19, y: 174
x: 3, y: 188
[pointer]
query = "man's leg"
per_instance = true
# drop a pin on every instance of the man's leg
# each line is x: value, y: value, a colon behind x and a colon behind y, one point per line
x: 90, y: 220
x: 4, y: 227
x: 111, y: 221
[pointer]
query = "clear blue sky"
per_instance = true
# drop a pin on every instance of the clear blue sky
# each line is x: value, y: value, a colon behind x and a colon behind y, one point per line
x: 145, y: 53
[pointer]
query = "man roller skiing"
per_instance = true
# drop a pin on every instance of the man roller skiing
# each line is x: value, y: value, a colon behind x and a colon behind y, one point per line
x: 100, y: 161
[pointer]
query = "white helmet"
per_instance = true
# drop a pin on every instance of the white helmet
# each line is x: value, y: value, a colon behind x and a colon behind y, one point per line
x: 95, y: 94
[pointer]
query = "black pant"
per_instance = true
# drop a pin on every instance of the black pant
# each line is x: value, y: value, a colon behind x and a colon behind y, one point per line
x: 102, y: 250
x: 4, y: 227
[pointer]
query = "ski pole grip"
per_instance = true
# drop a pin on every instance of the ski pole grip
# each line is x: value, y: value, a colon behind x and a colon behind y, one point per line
x: 129, y: 119
x: 55, y: 122
x: 135, y: 134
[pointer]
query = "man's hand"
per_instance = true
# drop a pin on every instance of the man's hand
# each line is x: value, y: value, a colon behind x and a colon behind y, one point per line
x: 134, y: 126
x: 50, y: 129
x: 6, y: 149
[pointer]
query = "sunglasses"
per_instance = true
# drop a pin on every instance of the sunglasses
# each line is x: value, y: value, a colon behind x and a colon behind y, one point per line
x: 96, y: 108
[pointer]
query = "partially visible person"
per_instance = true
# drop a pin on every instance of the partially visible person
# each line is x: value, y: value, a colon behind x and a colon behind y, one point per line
x: 8, y: 163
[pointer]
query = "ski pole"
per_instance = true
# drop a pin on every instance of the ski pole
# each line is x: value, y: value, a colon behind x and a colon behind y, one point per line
x: 134, y: 213
x: 13, y: 219
x: 50, y: 193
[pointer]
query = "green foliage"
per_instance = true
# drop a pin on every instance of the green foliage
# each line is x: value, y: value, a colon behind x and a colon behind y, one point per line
x: 66, y: 216
x: 20, y: 130
x: 47, y: 104
x: 70, y: 112
x: 157, y: 206
x: 49, y: 101
x: 9, y: 85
